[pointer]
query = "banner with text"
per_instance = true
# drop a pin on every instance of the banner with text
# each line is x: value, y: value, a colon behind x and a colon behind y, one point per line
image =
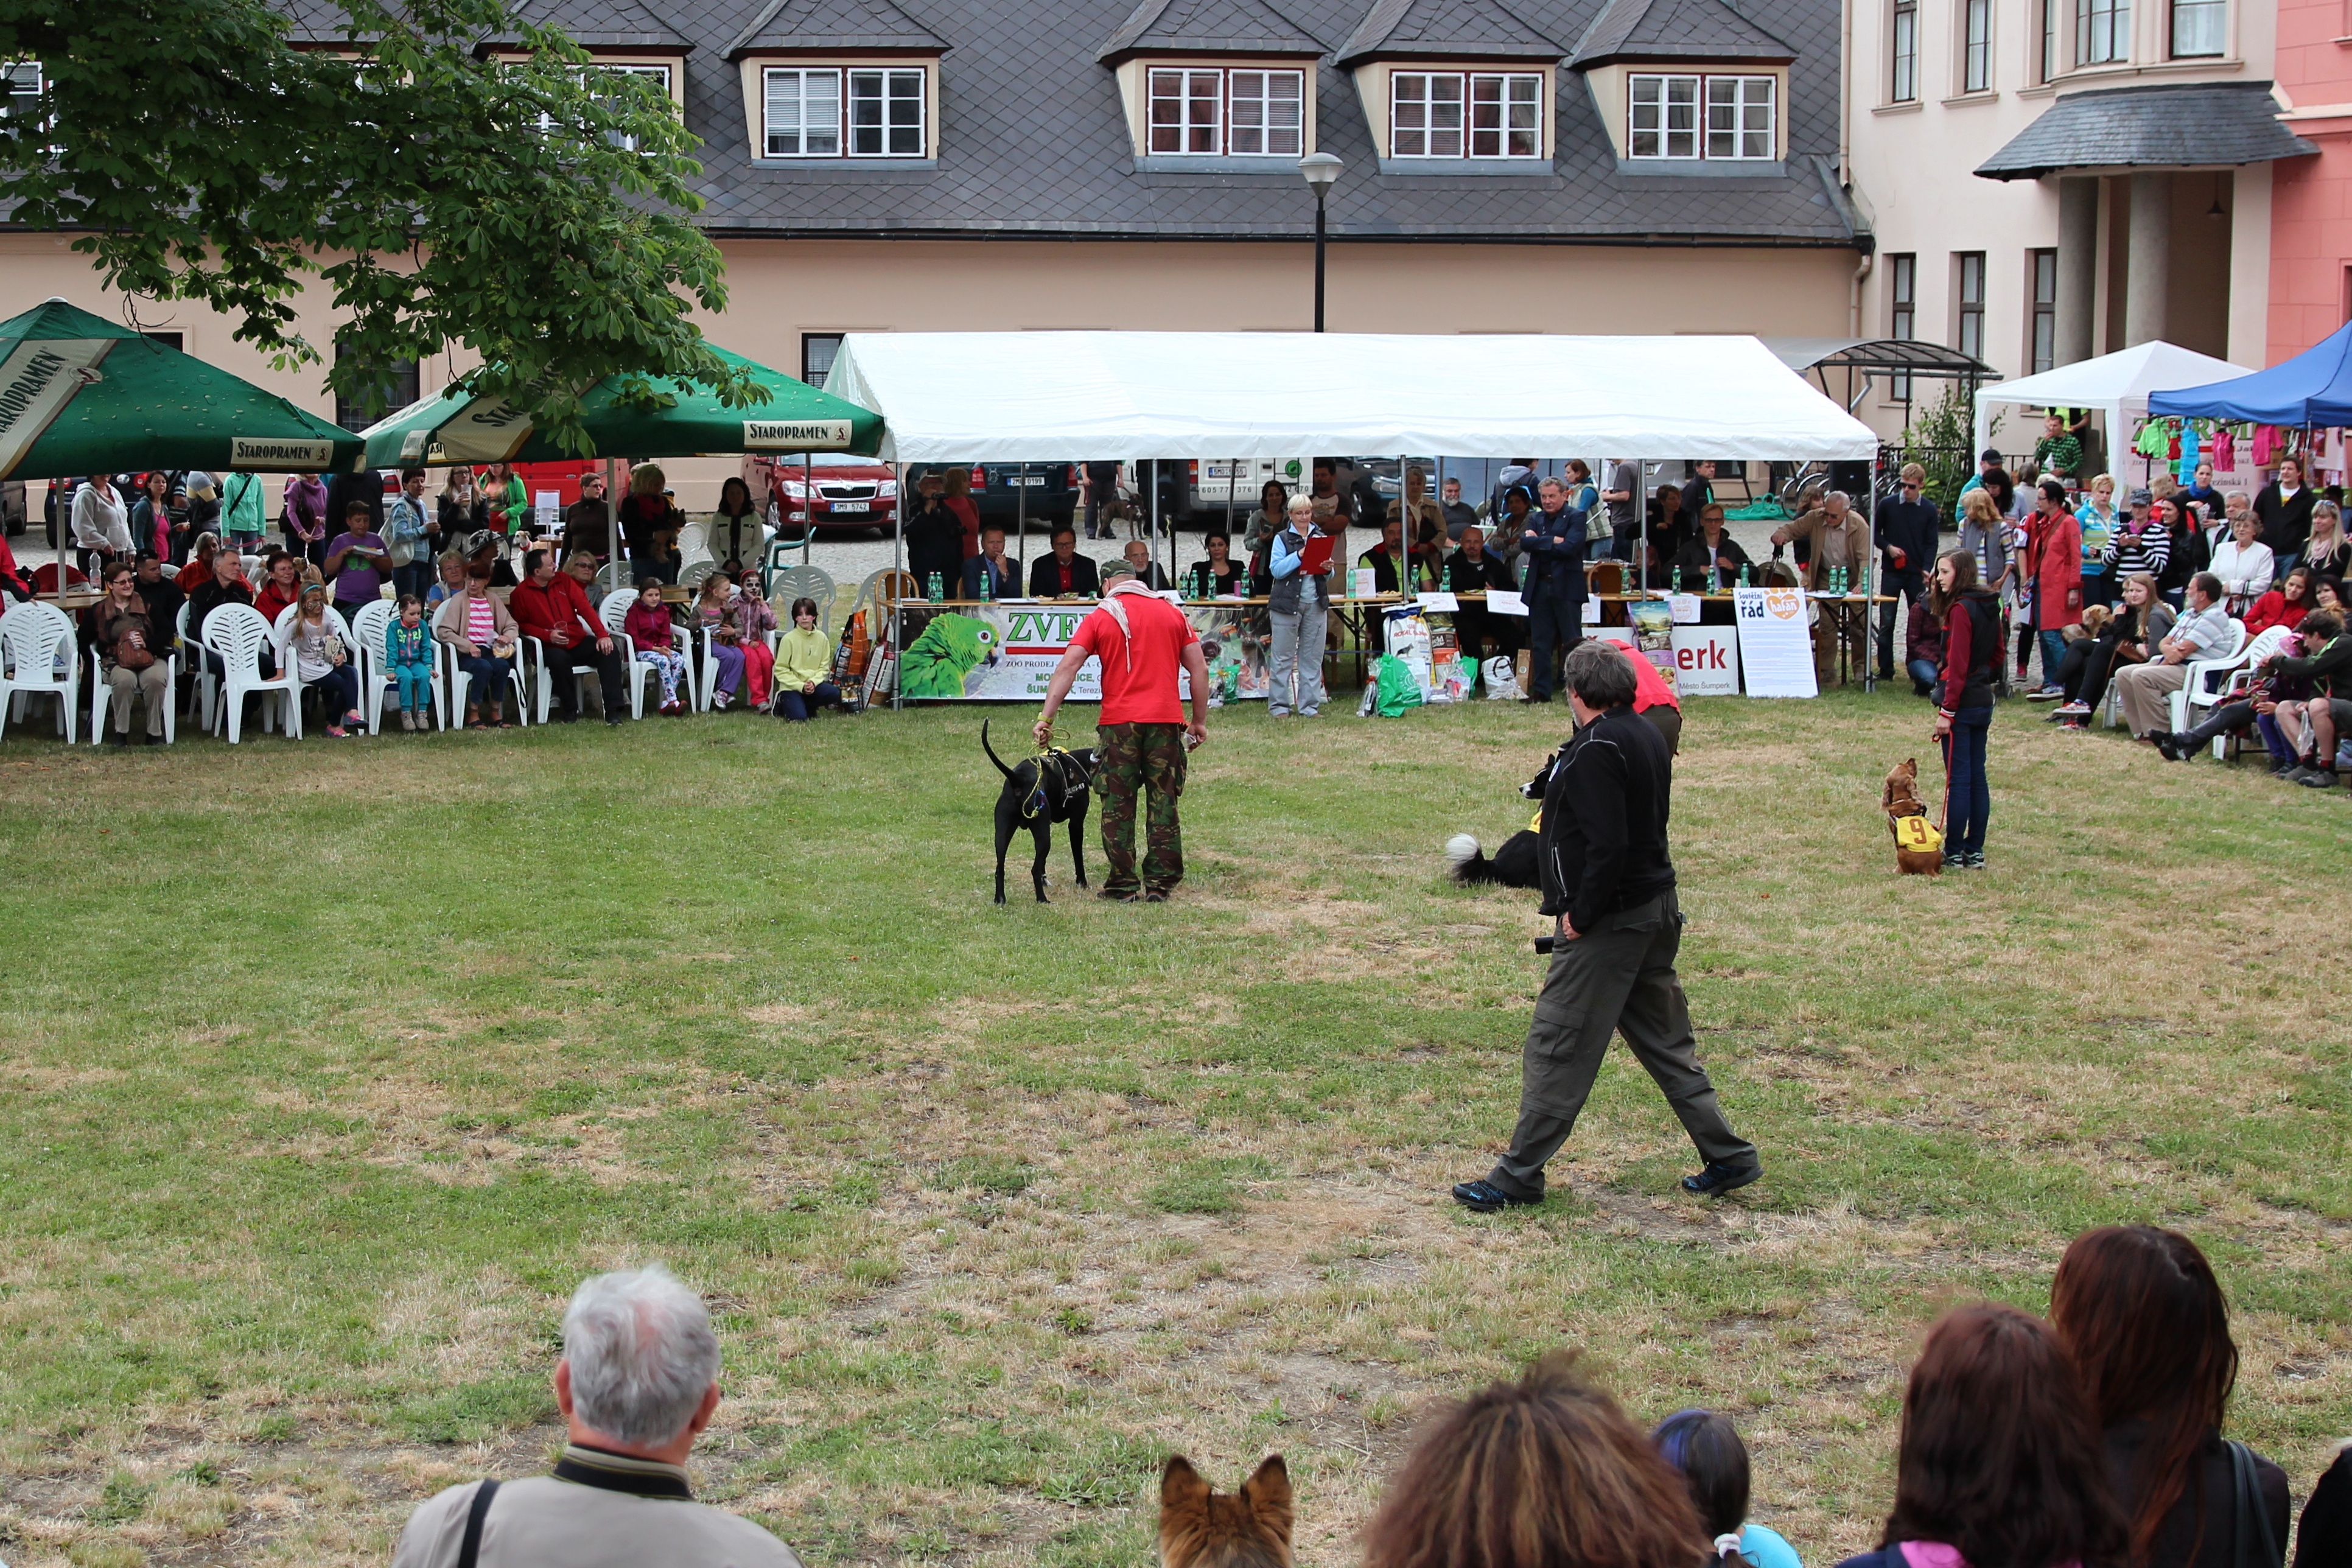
x: 1776, y: 648
x: 1006, y: 653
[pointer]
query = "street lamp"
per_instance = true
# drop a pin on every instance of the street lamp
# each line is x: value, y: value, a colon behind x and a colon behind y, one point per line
x: 1321, y: 172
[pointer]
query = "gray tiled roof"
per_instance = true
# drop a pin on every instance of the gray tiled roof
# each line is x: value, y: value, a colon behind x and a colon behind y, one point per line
x: 600, y: 23
x: 1426, y: 28
x: 1208, y: 27
x: 833, y: 24
x: 1674, y: 30
x: 2197, y: 124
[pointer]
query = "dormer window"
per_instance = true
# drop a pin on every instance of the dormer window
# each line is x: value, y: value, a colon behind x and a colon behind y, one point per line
x: 834, y: 112
x: 1239, y: 112
x: 1677, y: 116
x: 1465, y: 114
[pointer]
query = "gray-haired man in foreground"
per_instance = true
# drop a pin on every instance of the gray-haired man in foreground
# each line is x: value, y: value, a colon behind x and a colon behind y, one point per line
x: 637, y: 1384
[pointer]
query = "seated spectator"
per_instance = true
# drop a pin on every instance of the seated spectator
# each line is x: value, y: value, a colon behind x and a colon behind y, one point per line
x: 2255, y: 708
x: 1064, y: 573
x: 638, y: 1385
x: 164, y: 599
x: 1137, y: 554
x: 1923, y: 648
x: 648, y: 625
x: 934, y: 537
x: 2144, y: 690
x: 2325, y: 1537
x: 1220, y: 575
x: 1543, y: 1473
x: 357, y: 562
x: 1705, y: 1447
x: 804, y: 666
x: 1653, y: 700
x: 2000, y: 1460
x: 2142, y: 1318
x: 988, y: 575
x: 1475, y: 569
x: 1383, y: 558
x: 2189, y: 548
x: 488, y: 548
x: 711, y: 618
x: 321, y: 662
x: 552, y: 608
x: 2327, y: 593
x: 451, y: 582
x: 2326, y: 663
x: 1710, y: 559
x: 14, y: 580
x: 122, y: 633
x: 2110, y: 641
x: 223, y: 583
x: 1459, y: 516
x: 2327, y: 553
x: 756, y: 622
x: 1519, y: 501
x: 736, y: 528
x: 2282, y: 605
x: 198, y: 569
x: 482, y: 633
x: 281, y: 586
x: 408, y: 654
x: 1664, y: 521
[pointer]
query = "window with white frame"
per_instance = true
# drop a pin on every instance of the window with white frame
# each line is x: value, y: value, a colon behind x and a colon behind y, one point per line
x: 1740, y: 117
x: 1976, y: 46
x: 1210, y: 112
x: 1902, y: 53
x: 2102, y: 31
x: 1730, y: 118
x: 1269, y: 113
x: 1661, y: 116
x: 1187, y: 110
x: 658, y: 75
x: 23, y: 82
x: 2200, y: 29
x: 1465, y: 114
x: 860, y: 112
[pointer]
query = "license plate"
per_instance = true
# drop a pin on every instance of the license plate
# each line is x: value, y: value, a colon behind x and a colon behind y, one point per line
x: 849, y: 508
x: 1034, y: 482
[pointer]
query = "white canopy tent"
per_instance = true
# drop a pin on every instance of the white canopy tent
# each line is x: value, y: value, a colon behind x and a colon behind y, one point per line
x: 2116, y: 384
x: 977, y: 397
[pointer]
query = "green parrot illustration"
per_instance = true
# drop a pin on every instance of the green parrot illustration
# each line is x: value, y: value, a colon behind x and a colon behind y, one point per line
x: 948, y: 649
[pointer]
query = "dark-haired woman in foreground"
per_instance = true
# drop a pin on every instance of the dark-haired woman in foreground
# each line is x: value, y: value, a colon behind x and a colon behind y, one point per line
x: 1705, y: 1447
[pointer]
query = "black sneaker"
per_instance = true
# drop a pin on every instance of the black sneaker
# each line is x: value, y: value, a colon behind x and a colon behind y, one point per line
x: 1131, y: 896
x: 1486, y: 1197
x: 2168, y: 745
x: 1954, y: 860
x: 1719, y: 1178
x: 1155, y: 897
x: 1973, y: 860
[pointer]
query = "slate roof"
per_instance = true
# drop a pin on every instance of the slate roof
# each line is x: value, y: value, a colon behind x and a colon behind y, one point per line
x: 1675, y: 29
x: 832, y: 25
x: 1208, y: 28
x: 2196, y: 123
x: 602, y: 24
x: 1033, y: 141
x: 1393, y: 28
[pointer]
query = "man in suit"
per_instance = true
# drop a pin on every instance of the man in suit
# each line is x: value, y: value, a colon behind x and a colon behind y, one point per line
x: 1064, y: 572
x: 1002, y: 576
x: 1553, y: 541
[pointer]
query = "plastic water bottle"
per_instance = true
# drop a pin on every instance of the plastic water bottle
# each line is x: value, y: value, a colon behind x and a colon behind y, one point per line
x: 1743, y: 574
x: 986, y: 592
x: 937, y: 594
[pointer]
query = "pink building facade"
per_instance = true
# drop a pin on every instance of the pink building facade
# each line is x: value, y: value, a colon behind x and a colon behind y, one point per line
x: 2311, y: 200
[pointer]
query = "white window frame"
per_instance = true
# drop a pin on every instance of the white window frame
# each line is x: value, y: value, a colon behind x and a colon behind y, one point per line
x: 1258, y: 111
x: 1661, y: 122
x: 1976, y: 46
x: 803, y: 76
x: 1429, y: 119
x: 2042, y: 321
x: 2213, y: 14
x: 1902, y: 52
x: 622, y: 68
x: 2103, y: 32
x: 1506, y: 108
x: 15, y: 74
x: 1197, y: 104
x: 1436, y: 116
x: 1733, y: 115
x: 900, y: 110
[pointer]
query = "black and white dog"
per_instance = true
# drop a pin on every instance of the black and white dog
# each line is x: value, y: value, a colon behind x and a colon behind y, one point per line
x: 1514, y: 864
x: 1038, y: 793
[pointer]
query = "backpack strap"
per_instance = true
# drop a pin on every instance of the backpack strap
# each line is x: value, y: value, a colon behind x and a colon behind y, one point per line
x: 469, y: 1549
x: 2253, y: 1545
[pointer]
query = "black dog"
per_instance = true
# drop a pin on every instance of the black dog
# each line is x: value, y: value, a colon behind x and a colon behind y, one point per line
x: 1515, y: 864
x: 1039, y: 792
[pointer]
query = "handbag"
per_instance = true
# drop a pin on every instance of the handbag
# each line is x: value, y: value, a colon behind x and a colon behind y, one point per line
x: 131, y: 653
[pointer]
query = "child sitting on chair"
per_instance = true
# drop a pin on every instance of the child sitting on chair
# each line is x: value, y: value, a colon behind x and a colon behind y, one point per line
x: 648, y: 625
x: 753, y: 621
x: 714, y: 618
x: 408, y: 648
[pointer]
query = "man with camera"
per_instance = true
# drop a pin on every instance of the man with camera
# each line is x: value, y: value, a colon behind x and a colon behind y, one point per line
x: 1610, y: 886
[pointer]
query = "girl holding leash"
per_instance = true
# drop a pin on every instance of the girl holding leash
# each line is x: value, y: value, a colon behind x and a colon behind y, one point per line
x: 1972, y: 648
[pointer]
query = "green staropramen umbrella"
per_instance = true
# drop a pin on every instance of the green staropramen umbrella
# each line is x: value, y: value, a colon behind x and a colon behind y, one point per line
x: 81, y: 395
x: 455, y: 427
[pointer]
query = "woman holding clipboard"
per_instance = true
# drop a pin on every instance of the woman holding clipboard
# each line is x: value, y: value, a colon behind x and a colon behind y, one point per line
x: 1300, y: 603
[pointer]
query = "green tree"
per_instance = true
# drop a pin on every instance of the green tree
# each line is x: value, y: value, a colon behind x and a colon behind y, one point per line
x: 538, y: 213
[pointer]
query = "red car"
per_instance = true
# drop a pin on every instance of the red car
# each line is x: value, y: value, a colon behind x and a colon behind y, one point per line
x: 851, y: 493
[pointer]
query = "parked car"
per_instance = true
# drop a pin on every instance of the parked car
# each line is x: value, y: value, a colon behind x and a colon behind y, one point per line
x: 850, y: 493
x: 1052, y: 490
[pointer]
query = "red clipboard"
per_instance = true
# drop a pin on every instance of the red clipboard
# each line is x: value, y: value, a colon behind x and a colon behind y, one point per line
x: 1317, y: 555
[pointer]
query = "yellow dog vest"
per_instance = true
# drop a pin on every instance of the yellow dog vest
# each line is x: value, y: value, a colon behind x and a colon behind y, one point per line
x: 1917, y: 833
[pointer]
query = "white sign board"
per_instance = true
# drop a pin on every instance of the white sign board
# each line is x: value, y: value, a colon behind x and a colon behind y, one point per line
x: 548, y: 508
x: 1686, y: 608
x: 1775, y: 647
x: 1707, y: 661
x: 1503, y: 602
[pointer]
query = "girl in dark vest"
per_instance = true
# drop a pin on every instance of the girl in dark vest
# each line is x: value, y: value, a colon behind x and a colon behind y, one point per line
x: 1970, y: 617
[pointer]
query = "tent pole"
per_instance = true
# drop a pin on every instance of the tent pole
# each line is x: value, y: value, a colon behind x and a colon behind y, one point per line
x: 808, y: 510
x: 1021, y: 509
x: 1870, y: 583
x: 1233, y: 483
x: 897, y: 560
x: 1642, y: 517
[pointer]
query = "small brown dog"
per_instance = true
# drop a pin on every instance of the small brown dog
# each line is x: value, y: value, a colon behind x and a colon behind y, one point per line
x: 1251, y: 1529
x: 1902, y: 801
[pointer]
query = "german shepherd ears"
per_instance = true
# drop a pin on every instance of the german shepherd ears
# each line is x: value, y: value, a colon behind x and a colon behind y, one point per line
x: 1266, y: 1495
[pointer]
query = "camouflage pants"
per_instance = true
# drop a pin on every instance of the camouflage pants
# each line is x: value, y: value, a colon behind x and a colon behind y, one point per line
x: 1131, y: 761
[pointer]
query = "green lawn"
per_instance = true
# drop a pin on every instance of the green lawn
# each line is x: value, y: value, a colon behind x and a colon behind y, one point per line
x: 330, y: 1069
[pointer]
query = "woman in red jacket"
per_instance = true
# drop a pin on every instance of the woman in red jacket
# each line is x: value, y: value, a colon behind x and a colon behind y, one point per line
x: 2053, y: 569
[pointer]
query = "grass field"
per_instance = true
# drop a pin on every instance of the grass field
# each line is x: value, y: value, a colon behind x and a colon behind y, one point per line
x: 330, y: 1069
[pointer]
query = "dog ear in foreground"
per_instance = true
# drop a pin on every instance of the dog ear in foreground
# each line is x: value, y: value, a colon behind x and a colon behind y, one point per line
x: 1200, y: 1529
x: 1918, y: 847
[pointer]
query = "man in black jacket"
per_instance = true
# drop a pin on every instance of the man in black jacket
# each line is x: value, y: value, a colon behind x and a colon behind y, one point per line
x: 1906, y: 529
x: 1064, y: 573
x: 1553, y: 541
x: 1609, y: 884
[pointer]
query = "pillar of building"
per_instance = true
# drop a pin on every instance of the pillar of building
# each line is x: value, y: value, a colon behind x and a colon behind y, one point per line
x: 2078, y: 268
x: 2147, y: 270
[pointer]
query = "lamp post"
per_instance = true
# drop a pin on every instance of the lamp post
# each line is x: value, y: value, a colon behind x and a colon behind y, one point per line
x: 1320, y: 170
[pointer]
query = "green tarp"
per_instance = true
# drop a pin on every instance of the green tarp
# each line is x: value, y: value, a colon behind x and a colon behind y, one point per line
x: 456, y: 429
x: 81, y: 394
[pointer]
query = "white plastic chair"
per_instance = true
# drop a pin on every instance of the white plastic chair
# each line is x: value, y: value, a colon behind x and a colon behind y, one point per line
x: 239, y: 634
x: 38, y: 657
x: 2277, y: 640
x: 803, y: 582
x: 208, y: 684
x: 101, y: 699
x: 614, y: 612
x: 2208, y: 677
x: 367, y: 630
x: 614, y: 577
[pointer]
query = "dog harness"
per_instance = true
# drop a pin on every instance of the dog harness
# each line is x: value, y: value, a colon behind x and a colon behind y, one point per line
x: 1060, y: 764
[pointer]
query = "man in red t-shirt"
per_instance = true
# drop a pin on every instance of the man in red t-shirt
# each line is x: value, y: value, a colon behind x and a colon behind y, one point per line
x: 1141, y: 735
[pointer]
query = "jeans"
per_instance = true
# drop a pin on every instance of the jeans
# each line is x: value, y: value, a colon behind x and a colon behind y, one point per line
x: 1913, y: 586
x: 486, y: 678
x: 2054, y: 654
x: 797, y: 705
x: 415, y: 686
x: 339, y: 692
x: 2274, y: 740
x: 1967, y: 798
x: 1301, y: 629
x: 1554, y: 627
x: 1923, y: 672
x: 415, y: 578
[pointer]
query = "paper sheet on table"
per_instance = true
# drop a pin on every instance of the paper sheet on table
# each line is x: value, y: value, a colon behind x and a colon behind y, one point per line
x: 1439, y: 604
x: 1503, y: 602
x: 1368, y: 583
x: 1686, y: 609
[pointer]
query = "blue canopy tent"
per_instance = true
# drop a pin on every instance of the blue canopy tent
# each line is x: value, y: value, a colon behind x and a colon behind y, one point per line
x: 2311, y: 391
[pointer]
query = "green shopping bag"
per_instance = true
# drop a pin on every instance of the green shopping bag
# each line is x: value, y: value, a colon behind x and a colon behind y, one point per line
x: 1399, y: 690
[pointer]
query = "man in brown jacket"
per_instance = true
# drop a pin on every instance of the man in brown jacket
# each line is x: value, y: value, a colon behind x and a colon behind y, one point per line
x: 1839, y: 536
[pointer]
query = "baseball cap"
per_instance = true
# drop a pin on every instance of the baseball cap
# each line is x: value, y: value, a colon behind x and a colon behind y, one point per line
x: 2142, y: 497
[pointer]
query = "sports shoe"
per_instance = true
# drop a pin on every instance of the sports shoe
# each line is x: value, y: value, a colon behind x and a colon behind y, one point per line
x: 1129, y: 897
x: 2172, y: 747
x: 2074, y: 710
x: 2281, y: 770
x: 1486, y: 1197
x: 1719, y: 1178
x: 2302, y: 772
x: 1155, y: 897
x: 1954, y: 860
x: 408, y: 720
x: 2317, y: 778
x: 2046, y: 694
x: 1973, y: 860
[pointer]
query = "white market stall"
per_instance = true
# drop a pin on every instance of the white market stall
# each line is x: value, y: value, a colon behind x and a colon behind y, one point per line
x: 2118, y: 385
x: 1070, y: 396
